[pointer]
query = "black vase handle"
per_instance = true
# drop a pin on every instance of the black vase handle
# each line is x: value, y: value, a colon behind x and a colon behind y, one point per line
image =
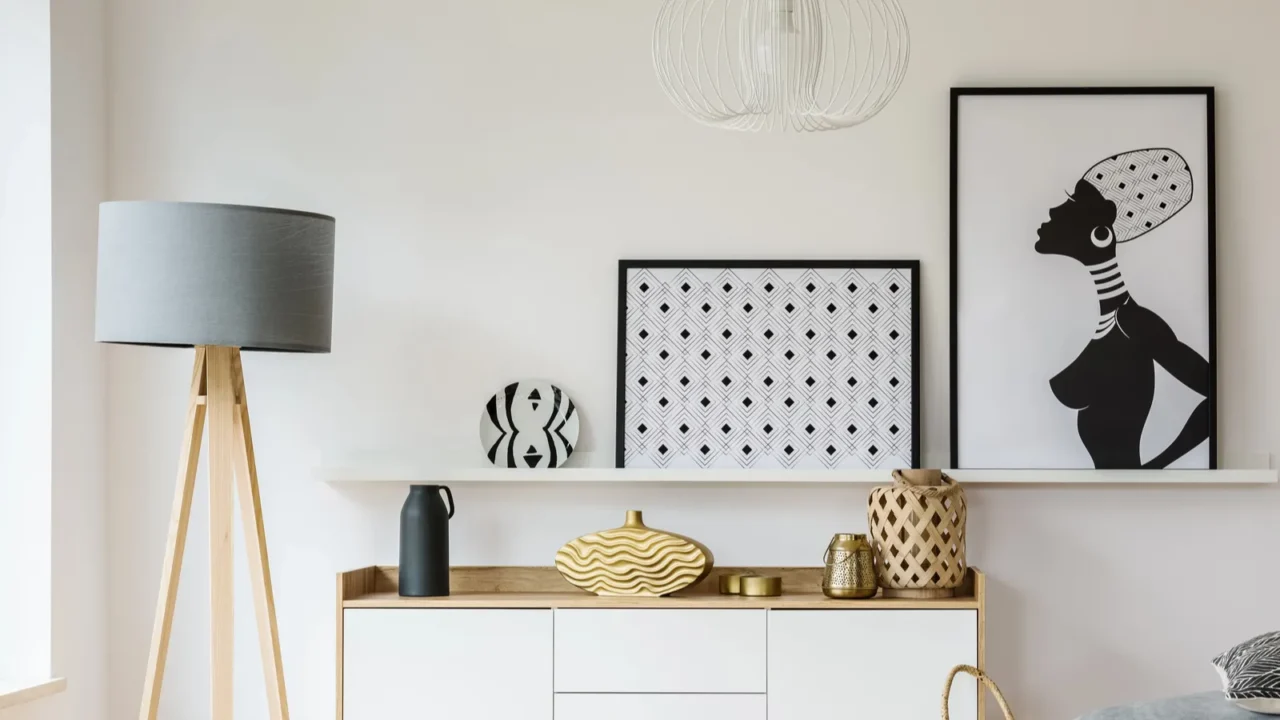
x: 449, y: 495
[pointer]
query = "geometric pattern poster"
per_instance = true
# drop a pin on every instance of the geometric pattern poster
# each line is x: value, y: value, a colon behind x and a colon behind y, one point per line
x: 768, y: 364
x: 1083, y: 293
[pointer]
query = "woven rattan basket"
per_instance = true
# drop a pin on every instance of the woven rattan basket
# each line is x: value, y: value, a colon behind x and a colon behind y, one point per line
x: 917, y: 530
x: 984, y: 683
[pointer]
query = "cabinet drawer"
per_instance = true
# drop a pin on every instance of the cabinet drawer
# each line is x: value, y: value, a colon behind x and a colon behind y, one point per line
x: 870, y: 664
x: 662, y: 707
x: 456, y: 664
x: 660, y: 651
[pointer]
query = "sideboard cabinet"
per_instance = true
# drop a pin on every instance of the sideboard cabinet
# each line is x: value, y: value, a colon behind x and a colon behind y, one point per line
x: 520, y: 643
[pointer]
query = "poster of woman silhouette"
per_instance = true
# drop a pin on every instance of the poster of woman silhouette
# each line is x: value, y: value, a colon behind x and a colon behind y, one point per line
x: 1082, y: 278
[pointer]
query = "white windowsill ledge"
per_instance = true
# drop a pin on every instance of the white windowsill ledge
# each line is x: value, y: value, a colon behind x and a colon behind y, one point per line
x: 13, y: 695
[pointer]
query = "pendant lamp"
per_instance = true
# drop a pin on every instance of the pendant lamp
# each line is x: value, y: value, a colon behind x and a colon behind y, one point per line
x: 799, y: 65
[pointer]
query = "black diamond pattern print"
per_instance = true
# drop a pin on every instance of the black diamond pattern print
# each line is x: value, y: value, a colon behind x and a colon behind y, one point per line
x: 768, y: 368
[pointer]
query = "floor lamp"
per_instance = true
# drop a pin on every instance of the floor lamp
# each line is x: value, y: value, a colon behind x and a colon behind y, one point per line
x: 221, y: 279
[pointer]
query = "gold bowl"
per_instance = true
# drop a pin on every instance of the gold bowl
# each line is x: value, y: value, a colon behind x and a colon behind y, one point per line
x: 760, y: 586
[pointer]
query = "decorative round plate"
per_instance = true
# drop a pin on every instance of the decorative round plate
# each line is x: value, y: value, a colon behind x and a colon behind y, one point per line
x: 529, y: 424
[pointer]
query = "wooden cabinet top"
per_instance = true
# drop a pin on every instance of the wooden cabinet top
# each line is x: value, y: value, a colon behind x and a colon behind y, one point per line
x: 543, y: 587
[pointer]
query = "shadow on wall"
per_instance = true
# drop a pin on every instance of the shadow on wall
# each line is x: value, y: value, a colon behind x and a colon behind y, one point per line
x: 1024, y: 669
x: 405, y: 387
x: 1088, y: 608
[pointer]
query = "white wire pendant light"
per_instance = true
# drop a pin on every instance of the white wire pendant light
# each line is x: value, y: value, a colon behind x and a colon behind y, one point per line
x: 781, y: 64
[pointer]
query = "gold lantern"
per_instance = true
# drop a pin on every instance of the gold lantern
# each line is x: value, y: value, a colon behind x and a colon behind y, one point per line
x: 849, y: 570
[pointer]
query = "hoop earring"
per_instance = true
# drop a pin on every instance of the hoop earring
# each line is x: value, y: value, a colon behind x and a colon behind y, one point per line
x: 1102, y: 236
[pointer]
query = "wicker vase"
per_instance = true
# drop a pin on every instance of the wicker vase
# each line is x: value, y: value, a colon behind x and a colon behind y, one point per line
x: 917, y: 530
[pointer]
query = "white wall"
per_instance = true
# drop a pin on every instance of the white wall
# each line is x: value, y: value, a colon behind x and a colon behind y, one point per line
x: 80, y: 651
x: 74, y: 564
x: 488, y: 164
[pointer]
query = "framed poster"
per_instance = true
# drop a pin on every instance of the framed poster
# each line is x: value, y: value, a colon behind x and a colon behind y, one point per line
x: 768, y: 364
x: 1082, y: 278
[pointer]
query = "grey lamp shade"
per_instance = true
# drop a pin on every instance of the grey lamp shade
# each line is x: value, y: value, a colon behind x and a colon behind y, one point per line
x: 184, y: 274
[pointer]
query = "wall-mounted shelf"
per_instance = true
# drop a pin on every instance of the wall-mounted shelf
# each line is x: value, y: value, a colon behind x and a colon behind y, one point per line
x: 603, y: 475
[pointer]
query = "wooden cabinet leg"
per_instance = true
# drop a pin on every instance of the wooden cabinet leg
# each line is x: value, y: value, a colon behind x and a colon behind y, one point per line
x: 255, y: 541
x: 179, y: 518
x: 221, y: 411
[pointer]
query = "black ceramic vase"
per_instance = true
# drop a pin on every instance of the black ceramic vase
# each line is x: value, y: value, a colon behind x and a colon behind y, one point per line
x: 424, y: 542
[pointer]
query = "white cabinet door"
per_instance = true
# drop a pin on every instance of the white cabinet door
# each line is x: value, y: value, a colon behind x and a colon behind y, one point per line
x: 660, y: 707
x: 660, y: 651
x: 870, y: 664
x: 456, y: 664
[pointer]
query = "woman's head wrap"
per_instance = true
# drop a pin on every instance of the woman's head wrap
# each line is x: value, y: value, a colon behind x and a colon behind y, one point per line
x: 1147, y: 186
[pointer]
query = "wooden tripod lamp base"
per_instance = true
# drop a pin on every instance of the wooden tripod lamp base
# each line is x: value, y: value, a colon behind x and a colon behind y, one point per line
x: 218, y: 399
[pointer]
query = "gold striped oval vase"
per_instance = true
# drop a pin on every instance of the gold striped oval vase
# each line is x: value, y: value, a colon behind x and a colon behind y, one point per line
x: 634, y: 560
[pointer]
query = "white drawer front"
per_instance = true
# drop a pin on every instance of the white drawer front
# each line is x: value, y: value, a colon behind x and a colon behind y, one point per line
x: 870, y: 664
x: 660, y: 707
x: 660, y: 651
x: 456, y: 664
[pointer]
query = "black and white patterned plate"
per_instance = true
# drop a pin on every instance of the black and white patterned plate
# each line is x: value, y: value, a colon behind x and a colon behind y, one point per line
x: 529, y: 424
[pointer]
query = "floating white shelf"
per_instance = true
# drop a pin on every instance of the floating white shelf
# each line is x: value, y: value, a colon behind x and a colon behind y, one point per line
x: 457, y: 476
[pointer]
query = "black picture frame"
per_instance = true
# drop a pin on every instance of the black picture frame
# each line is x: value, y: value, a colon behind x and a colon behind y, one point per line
x: 624, y: 266
x: 957, y: 94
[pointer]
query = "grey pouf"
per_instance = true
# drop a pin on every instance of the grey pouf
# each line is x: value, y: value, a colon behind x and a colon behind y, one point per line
x: 1205, y: 706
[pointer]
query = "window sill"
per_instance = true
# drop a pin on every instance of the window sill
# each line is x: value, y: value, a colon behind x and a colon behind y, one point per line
x: 14, y: 695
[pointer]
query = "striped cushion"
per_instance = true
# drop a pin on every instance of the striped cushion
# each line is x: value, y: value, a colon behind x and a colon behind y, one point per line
x: 1251, y: 673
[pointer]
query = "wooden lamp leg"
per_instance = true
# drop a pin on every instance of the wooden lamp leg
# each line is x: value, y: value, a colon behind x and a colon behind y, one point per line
x: 188, y: 461
x: 255, y: 541
x: 217, y: 391
x: 221, y: 528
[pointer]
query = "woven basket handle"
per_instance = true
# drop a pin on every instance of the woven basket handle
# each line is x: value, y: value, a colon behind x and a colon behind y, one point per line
x: 983, y: 682
x: 948, y: 487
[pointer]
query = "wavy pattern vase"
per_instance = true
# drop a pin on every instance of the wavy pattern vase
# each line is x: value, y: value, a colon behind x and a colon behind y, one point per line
x: 634, y: 560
